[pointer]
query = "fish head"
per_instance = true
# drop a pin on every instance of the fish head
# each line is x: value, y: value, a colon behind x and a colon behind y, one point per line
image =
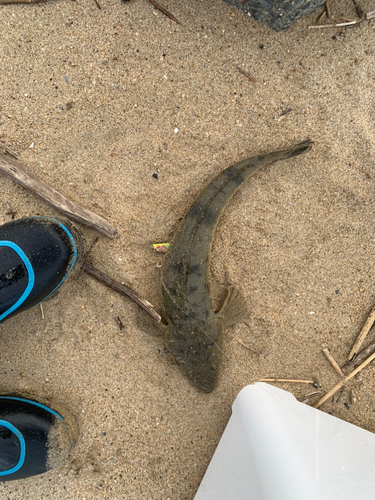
x: 195, y: 345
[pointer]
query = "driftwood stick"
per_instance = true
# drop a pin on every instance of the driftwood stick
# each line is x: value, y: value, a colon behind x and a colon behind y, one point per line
x: 333, y: 362
x: 357, y: 360
x: 343, y: 381
x: 123, y: 289
x: 294, y: 381
x: 12, y: 169
x: 5, y: 148
x: 361, y: 337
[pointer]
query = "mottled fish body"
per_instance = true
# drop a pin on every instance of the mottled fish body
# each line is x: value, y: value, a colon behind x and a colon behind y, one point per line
x: 194, y: 330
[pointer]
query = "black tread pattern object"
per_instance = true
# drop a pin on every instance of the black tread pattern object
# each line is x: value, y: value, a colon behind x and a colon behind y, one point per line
x: 278, y: 14
x: 36, y: 256
x: 33, y: 438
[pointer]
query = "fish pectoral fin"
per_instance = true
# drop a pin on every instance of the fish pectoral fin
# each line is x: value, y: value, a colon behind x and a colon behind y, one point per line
x: 234, y: 309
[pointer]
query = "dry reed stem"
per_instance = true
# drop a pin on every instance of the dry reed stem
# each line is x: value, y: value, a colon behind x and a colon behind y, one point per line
x: 343, y: 381
x: 361, y: 337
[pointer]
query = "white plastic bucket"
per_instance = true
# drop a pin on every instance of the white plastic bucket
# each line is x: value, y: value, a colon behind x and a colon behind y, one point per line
x: 276, y: 448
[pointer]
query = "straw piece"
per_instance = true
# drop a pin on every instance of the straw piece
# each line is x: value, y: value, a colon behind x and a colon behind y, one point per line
x: 343, y: 381
x: 329, y: 15
x: 321, y: 16
x: 294, y: 381
x: 320, y: 26
x: 333, y: 362
x: 41, y: 310
x: 361, y: 337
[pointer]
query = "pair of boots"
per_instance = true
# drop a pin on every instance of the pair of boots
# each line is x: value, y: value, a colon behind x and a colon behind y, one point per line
x: 36, y: 256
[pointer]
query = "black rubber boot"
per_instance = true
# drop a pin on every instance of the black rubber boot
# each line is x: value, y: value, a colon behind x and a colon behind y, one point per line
x: 33, y: 438
x: 36, y: 256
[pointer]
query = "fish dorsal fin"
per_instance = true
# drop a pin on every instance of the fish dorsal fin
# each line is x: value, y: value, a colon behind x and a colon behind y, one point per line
x: 234, y: 309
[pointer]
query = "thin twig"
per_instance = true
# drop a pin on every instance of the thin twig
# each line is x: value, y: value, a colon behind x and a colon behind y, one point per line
x: 98, y: 4
x: 357, y: 360
x: 343, y: 381
x: 86, y: 257
x: 287, y: 380
x: 12, y: 169
x: 120, y: 323
x: 164, y: 11
x: 10, y: 212
x: 340, y: 395
x: 243, y: 344
x: 312, y: 394
x: 321, y: 16
x: 8, y: 2
x: 307, y: 397
x: 370, y: 15
x: 285, y: 112
x: 41, y: 310
x: 124, y: 290
x: 361, y: 337
x: 333, y: 362
x: 246, y: 74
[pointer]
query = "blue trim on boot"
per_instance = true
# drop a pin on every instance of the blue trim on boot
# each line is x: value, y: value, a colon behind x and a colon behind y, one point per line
x: 31, y: 276
x: 33, y: 438
x: 33, y: 403
x: 21, y: 439
x: 74, y: 250
x: 59, y: 232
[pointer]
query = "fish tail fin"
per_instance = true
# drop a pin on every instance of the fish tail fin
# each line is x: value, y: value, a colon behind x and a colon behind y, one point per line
x: 282, y: 154
x: 298, y: 149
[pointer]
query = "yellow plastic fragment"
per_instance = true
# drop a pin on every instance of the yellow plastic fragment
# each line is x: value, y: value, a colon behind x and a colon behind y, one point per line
x: 161, y: 247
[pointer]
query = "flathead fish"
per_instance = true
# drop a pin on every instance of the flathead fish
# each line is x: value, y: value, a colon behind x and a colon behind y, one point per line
x: 194, y: 331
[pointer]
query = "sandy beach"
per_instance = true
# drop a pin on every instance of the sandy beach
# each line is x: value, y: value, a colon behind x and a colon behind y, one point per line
x: 96, y: 102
